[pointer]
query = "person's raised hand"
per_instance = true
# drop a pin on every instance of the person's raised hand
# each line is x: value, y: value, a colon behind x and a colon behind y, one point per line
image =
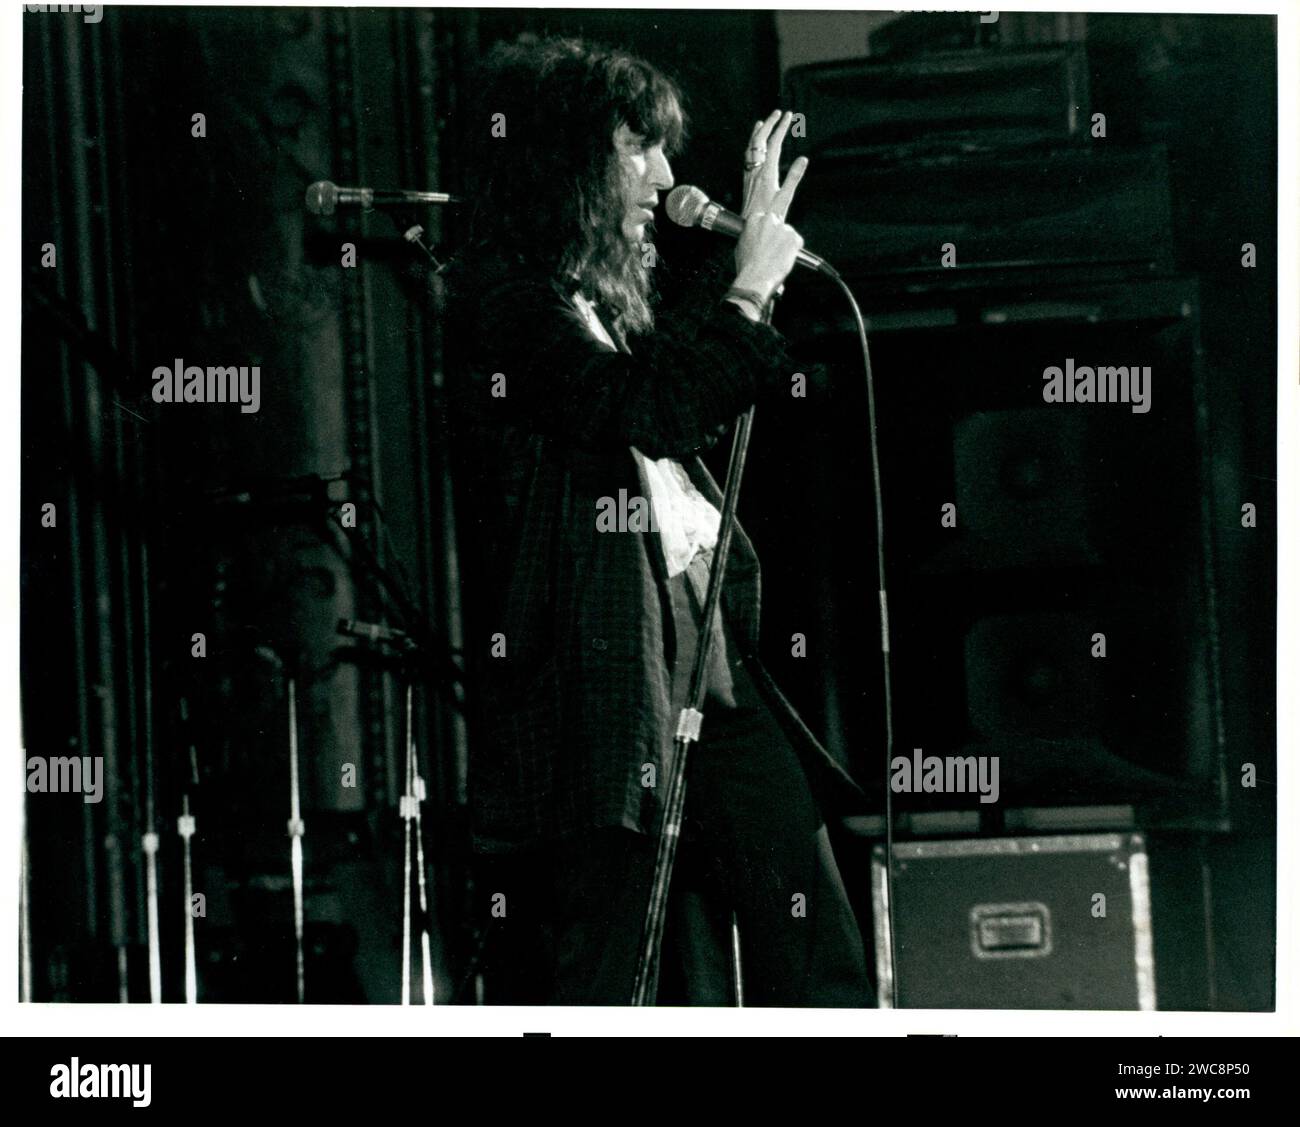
x: 763, y: 190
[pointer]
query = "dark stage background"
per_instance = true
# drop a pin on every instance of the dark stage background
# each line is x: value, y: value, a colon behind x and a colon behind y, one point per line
x: 174, y: 521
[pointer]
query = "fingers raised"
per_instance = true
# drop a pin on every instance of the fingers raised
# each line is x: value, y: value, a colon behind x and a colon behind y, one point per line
x: 785, y: 196
x: 762, y: 130
x: 777, y: 137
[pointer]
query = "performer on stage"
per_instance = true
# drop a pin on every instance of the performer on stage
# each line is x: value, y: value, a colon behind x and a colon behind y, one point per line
x: 594, y: 523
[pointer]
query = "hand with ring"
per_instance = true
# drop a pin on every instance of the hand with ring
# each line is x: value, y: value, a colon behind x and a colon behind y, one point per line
x: 763, y: 190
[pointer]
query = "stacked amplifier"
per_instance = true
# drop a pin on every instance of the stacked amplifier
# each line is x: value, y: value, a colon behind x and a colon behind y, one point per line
x: 1051, y: 582
x: 994, y: 151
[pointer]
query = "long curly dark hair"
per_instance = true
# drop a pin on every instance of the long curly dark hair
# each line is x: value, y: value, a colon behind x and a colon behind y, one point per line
x: 548, y: 194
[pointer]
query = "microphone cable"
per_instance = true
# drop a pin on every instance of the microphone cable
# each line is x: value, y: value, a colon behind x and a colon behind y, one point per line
x: 886, y: 671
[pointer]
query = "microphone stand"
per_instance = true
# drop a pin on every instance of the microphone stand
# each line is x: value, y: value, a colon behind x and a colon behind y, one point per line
x: 186, y: 827
x: 689, y: 721
x: 410, y: 812
x: 411, y: 661
x: 296, y: 831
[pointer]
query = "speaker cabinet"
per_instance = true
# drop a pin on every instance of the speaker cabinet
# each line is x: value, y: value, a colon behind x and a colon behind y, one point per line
x: 942, y: 99
x: 1051, y: 583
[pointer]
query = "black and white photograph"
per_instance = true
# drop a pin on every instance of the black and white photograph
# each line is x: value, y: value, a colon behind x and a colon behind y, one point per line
x: 567, y: 510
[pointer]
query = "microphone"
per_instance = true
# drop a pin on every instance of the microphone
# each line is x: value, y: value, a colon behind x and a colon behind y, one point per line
x: 323, y: 197
x: 687, y: 206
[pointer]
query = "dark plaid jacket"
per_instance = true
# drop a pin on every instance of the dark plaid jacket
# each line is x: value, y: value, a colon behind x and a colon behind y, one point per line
x: 578, y: 703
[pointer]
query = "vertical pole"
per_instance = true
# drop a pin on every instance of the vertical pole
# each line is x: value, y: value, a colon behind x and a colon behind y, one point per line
x: 24, y: 918
x: 185, y: 827
x: 737, y: 975
x: 149, y: 844
x: 296, y: 833
x: 406, y: 864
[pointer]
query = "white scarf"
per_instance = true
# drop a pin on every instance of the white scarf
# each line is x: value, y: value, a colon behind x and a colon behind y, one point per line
x: 686, y: 519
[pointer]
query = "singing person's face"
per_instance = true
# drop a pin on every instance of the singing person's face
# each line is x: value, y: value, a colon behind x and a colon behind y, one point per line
x: 645, y: 173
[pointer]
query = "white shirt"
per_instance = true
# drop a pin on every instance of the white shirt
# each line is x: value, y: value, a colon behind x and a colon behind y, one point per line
x: 686, y: 519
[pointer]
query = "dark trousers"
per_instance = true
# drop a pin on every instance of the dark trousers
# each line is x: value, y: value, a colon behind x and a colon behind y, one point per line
x: 754, y: 842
